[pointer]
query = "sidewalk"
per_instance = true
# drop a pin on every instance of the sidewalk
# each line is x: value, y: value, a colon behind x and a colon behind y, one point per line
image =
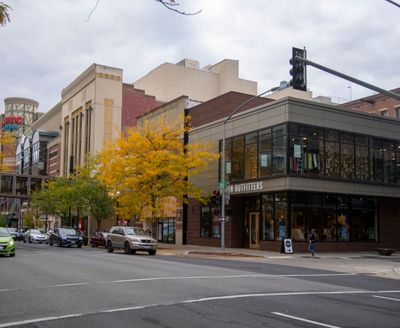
x: 370, y: 263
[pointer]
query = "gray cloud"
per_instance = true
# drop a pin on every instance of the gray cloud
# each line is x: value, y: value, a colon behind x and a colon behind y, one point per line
x: 48, y: 43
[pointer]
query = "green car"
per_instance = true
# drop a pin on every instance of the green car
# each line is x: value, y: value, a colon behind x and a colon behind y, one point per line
x: 7, y: 244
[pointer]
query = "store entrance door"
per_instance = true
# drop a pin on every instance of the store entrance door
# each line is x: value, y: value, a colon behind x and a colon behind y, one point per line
x: 254, y: 227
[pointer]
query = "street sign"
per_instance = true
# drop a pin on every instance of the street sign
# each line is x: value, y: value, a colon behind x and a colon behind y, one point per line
x: 222, y: 185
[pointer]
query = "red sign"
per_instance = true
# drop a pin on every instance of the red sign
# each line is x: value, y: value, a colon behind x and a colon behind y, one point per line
x: 13, y: 120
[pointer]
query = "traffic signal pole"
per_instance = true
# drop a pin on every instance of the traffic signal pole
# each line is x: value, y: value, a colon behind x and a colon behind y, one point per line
x: 349, y: 78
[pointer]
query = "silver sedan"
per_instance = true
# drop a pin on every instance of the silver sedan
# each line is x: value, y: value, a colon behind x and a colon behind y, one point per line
x: 35, y: 236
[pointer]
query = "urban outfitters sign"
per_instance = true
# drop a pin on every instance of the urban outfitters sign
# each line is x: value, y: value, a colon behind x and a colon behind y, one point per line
x: 246, y: 187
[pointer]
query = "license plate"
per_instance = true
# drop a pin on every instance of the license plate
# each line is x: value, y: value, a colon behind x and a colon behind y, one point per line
x: 72, y: 242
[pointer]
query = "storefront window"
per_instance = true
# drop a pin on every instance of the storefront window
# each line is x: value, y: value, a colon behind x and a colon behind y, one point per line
x: 279, y: 150
x: 332, y: 154
x: 250, y: 158
x: 306, y: 150
x: 347, y: 156
x: 281, y: 225
x: 265, y: 153
x: 389, y: 162
x: 205, y: 222
x: 237, y: 158
x: 376, y: 160
x: 166, y: 230
x: 267, y: 218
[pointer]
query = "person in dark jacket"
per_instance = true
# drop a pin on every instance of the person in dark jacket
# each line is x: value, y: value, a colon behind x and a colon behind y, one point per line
x: 311, y: 242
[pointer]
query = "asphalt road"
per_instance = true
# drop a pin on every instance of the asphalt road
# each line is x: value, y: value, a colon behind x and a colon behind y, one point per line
x: 47, y: 286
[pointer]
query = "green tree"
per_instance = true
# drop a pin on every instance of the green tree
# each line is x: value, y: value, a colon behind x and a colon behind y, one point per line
x: 95, y: 195
x: 80, y: 192
x: 3, y: 220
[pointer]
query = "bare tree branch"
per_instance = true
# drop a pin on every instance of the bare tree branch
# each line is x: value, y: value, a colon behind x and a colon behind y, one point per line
x: 393, y: 3
x: 170, y: 4
x: 97, y: 3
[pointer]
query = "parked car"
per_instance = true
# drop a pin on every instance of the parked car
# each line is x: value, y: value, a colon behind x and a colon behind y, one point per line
x: 84, y: 237
x: 35, y: 236
x: 7, y: 243
x: 14, y: 233
x: 97, y: 239
x: 130, y: 239
x: 65, y: 236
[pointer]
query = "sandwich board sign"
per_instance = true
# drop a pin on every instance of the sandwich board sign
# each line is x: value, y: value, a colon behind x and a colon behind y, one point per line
x: 288, y: 246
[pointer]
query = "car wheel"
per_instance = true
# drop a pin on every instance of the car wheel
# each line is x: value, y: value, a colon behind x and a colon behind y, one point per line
x: 12, y: 255
x: 80, y: 246
x: 127, y: 248
x: 109, y: 247
x: 51, y: 242
x: 152, y: 252
x: 24, y: 240
x: 93, y: 245
x: 30, y: 240
x: 59, y: 243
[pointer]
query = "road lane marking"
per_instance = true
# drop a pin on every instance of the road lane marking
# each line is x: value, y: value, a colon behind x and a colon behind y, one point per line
x: 70, y: 285
x: 205, y: 299
x: 7, y: 290
x: 235, y: 276
x: 387, y: 298
x: 304, y: 320
x: 29, y: 321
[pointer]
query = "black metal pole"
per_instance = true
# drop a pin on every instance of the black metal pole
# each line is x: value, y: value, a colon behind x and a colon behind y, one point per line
x: 349, y: 78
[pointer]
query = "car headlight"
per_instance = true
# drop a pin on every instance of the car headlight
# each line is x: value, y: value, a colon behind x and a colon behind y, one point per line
x: 11, y: 242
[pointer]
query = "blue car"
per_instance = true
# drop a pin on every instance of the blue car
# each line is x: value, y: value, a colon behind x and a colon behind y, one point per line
x: 65, y: 236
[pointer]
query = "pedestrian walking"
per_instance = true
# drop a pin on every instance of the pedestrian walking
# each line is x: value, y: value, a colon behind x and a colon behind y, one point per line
x: 311, y: 242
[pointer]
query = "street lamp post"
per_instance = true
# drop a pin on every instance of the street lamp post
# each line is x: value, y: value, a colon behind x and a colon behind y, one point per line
x: 223, y: 182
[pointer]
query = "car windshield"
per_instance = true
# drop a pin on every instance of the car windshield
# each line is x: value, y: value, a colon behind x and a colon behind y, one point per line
x: 4, y: 232
x: 35, y: 231
x: 66, y: 231
x: 135, y: 231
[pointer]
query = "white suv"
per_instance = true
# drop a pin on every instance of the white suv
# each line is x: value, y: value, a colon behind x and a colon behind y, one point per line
x: 130, y: 239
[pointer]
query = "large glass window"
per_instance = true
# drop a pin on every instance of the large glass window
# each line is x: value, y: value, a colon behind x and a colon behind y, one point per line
x: 311, y: 151
x: 347, y: 156
x: 166, y: 230
x: 281, y: 222
x: 279, y: 150
x: 389, y: 162
x: 6, y: 185
x: 298, y: 211
x: 205, y: 222
x: 250, y: 156
x: 209, y: 222
x: 265, y: 153
x: 376, y: 160
x: 362, y: 158
x: 267, y: 217
x: 21, y: 187
x: 332, y: 154
x: 306, y: 150
x: 237, y: 158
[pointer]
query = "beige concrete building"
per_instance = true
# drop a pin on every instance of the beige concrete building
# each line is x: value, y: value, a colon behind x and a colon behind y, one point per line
x: 169, y: 81
x: 91, y: 114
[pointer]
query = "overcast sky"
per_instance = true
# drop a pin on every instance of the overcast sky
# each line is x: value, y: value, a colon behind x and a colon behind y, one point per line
x: 50, y: 42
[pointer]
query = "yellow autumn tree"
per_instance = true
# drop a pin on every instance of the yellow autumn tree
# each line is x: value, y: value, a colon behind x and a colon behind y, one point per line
x: 149, y: 164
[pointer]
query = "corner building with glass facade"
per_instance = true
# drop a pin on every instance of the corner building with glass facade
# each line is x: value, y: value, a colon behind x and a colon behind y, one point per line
x: 295, y: 165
